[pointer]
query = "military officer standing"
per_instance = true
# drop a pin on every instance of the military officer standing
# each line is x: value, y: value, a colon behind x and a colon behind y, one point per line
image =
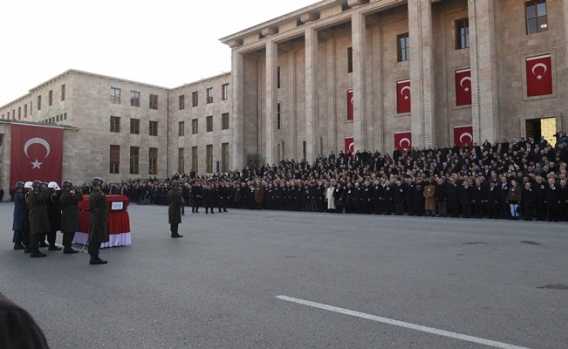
x: 18, y: 221
x: 175, y: 202
x: 69, y: 203
x: 54, y: 214
x: 39, y: 221
x: 98, y: 227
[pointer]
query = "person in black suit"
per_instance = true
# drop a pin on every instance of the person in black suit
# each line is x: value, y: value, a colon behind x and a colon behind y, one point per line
x: 552, y: 200
x: 528, y: 201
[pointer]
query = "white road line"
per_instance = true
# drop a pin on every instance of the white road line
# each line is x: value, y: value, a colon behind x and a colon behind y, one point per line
x: 387, y: 321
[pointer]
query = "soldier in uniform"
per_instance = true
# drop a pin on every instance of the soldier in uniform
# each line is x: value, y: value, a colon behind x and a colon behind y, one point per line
x: 54, y: 214
x: 69, y: 203
x: 26, y: 219
x: 18, y: 221
x: 98, y: 227
x: 39, y: 221
x: 175, y: 201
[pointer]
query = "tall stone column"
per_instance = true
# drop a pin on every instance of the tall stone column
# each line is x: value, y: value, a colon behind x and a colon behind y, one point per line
x: 237, y: 90
x: 359, y: 43
x: 290, y: 111
x: 483, y: 70
x: 311, y: 94
x: 421, y: 73
x: 271, y: 94
x: 331, y: 99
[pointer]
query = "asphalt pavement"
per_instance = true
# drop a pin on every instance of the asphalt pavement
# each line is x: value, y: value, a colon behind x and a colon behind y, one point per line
x: 272, y: 279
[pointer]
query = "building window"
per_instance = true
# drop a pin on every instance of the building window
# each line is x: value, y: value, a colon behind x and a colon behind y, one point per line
x: 19, y: 113
x: 153, y: 161
x: 462, y: 33
x: 182, y: 102
x: 225, y: 121
x: 209, y: 123
x: 194, y: 159
x: 195, y: 99
x: 225, y: 92
x: 134, y: 98
x: 115, y: 124
x: 210, y: 95
x: 114, y: 162
x: 62, y: 92
x: 181, y: 161
x: 115, y: 95
x: 31, y: 108
x: 403, y: 49
x: 279, y: 116
x: 350, y: 59
x: 537, y: 20
x: 135, y: 126
x: 225, y: 157
x: 304, y: 150
x: 50, y: 98
x: 194, y: 128
x: 153, y: 128
x: 39, y: 102
x: 154, y: 102
x: 181, y: 129
x: 209, y: 158
x: 278, y: 77
x: 134, y: 160
x: 25, y: 110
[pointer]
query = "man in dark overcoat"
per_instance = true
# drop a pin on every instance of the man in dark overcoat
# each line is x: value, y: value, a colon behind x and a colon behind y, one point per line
x: 69, y: 203
x: 54, y: 214
x: 98, y: 226
x: 18, y: 221
x: 39, y: 221
x: 174, y: 217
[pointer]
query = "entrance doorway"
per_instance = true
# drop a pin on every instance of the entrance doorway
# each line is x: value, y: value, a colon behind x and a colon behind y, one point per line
x: 537, y: 128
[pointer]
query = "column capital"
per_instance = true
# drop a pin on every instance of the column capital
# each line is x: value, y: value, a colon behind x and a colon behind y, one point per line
x: 268, y: 31
x: 235, y: 43
x: 354, y: 3
x: 308, y: 17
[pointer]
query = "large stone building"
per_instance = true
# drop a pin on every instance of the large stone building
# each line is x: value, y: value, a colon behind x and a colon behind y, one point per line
x: 336, y: 75
x: 375, y: 74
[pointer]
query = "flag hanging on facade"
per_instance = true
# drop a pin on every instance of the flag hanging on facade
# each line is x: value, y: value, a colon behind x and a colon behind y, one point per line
x: 403, y: 96
x: 539, y: 76
x: 463, y: 87
x: 36, y: 153
x: 403, y: 141
x: 463, y: 135
x: 349, y: 145
x: 350, y: 105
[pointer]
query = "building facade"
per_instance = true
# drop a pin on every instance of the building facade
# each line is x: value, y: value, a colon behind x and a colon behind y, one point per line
x: 383, y: 74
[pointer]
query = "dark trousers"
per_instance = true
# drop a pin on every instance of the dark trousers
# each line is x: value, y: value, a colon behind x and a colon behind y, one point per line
x: 94, y: 251
x: 17, y: 237
x: 174, y: 229
x: 68, y: 239
x: 34, y: 242
x: 51, y: 237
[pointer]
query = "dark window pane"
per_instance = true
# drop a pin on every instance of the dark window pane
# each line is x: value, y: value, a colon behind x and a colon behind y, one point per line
x: 541, y: 9
x: 531, y: 11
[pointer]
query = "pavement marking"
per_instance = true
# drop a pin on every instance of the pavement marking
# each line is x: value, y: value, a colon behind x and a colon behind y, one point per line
x: 415, y: 327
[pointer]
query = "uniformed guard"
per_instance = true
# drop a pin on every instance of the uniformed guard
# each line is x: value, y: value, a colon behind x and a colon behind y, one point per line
x: 69, y: 203
x: 26, y: 222
x: 98, y: 227
x: 175, y: 201
x: 54, y: 214
x: 19, y: 212
x: 39, y: 221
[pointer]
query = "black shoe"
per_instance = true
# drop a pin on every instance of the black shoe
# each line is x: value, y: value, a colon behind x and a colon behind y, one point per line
x: 97, y: 261
x: 18, y: 247
x: 177, y: 236
x: 69, y: 250
x: 37, y: 254
x: 225, y: 211
x: 27, y: 250
x: 43, y: 244
x: 54, y: 248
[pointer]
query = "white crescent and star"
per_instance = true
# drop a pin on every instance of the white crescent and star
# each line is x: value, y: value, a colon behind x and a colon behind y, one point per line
x: 464, y: 135
x: 464, y: 79
x: 402, y: 141
x: 404, y: 89
x: 539, y: 76
x: 352, y: 147
x: 40, y: 141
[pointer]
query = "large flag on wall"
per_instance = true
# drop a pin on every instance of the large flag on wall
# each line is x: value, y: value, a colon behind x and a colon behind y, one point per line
x: 403, y: 141
x: 463, y: 135
x: 350, y: 105
x: 349, y: 145
x: 403, y: 96
x: 463, y: 87
x: 36, y: 153
x: 539, y: 76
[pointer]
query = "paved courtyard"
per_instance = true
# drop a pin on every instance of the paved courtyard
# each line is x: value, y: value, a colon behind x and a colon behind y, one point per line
x: 265, y: 279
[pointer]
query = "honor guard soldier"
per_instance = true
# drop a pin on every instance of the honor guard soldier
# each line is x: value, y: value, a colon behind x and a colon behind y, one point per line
x: 69, y: 203
x: 54, y: 214
x: 19, y: 212
x: 39, y: 221
x: 175, y: 201
x: 98, y: 227
x: 26, y: 222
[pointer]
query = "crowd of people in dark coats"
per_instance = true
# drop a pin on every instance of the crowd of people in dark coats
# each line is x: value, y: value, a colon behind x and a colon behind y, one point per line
x: 521, y: 179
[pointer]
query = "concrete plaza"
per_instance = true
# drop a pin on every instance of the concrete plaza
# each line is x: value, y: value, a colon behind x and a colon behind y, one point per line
x: 265, y: 279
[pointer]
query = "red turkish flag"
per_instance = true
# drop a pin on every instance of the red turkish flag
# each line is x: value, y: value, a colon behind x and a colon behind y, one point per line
x: 463, y: 87
x: 539, y: 76
x: 350, y: 105
x: 403, y: 141
x: 463, y: 135
x: 36, y: 154
x: 403, y: 96
x: 349, y: 145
